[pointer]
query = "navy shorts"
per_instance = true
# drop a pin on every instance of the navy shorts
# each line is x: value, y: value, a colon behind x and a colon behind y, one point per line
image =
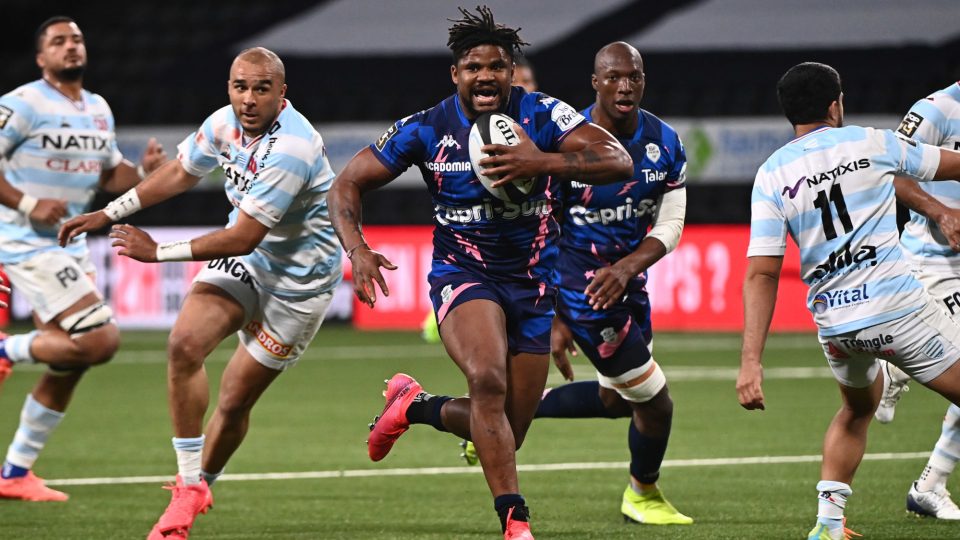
x: 616, y: 340
x: 528, y: 306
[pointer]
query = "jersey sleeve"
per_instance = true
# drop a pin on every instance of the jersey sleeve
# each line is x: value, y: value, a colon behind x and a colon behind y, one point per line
x: 280, y: 178
x: 907, y: 156
x: 16, y: 119
x: 768, y: 223
x: 677, y: 174
x: 400, y: 146
x: 198, y: 152
x: 561, y: 120
x: 926, y: 122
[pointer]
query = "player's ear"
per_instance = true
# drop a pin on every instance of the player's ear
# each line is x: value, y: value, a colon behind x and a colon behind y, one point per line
x: 283, y: 91
x: 593, y: 81
x: 453, y: 73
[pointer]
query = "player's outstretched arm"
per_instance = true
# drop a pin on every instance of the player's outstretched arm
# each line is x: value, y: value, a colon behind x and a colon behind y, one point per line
x: 168, y: 180
x: 759, y: 298
x: 362, y: 174
x: 607, y: 286
x: 589, y: 154
x: 918, y: 200
x: 240, y: 238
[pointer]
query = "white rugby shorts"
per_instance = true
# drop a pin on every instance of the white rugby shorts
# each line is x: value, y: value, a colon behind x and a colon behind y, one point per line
x: 276, y: 331
x: 52, y: 281
x: 923, y: 344
x: 943, y: 288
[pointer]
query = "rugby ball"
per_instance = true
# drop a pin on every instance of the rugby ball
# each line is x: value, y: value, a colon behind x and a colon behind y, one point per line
x: 496, y: 128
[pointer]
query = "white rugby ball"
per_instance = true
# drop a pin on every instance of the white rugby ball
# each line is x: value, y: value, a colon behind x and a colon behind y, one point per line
x: 496, y: 128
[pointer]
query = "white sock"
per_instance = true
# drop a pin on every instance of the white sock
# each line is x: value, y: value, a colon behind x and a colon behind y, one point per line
x: 831, y: 501
x: 18, y: 347
x: 36, y: 424
x: 945, y: 454
x: 189, y: 453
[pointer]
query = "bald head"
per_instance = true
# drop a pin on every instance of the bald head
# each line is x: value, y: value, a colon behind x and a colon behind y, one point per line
x: 264, y: 58
x: 614, y: 53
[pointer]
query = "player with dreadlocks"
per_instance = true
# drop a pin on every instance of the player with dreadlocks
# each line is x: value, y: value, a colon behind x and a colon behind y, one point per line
x: 492, y: 281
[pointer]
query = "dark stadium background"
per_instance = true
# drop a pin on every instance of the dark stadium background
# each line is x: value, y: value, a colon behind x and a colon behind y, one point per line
x: 166, y: 63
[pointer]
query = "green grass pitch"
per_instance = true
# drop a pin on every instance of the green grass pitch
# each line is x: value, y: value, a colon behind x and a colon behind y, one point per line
x: 314, y: 419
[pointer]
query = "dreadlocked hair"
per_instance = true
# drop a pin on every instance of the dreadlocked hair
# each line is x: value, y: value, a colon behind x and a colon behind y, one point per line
x: 480, y: 29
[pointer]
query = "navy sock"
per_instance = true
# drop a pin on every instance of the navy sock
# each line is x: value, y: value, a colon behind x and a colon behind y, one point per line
x: 573, y: 400
x: 503, y: 503
x: 646, y: 454
x: 425, y: 409
x: 12, y: 471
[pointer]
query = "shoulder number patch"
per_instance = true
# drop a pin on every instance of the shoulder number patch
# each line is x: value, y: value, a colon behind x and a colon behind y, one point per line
x: 5, y: 114
x: 910, y: 124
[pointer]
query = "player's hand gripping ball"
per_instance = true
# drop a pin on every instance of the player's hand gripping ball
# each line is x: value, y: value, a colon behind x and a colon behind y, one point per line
x: 496, y: 128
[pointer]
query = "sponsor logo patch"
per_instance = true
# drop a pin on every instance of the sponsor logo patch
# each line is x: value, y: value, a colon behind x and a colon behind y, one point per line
x: 448, y: 142
x: 565, y: 116
x: 382, y: 141
x: 832, y: 174
x: 446, y: 294
x: 840, y: 298
x: 910, y: 124
x: 5, y: 114
x: 653, y: 152
x: 843, y: 261
x: 271, y: 344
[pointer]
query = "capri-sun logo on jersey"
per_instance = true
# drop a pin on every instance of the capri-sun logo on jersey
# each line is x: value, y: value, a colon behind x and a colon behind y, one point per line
x: 605, y: 216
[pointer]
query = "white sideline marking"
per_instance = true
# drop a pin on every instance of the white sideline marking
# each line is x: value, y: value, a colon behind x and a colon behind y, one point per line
x: 664, y: 344
x: 435, y: 471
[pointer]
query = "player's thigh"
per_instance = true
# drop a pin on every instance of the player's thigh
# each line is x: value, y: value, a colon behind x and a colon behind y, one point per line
x: 54, y: 283
x: 243, y: 382
x: 616, y: 343
x: 474, y: 335
x: 208, y: 315
x: 279, y: 330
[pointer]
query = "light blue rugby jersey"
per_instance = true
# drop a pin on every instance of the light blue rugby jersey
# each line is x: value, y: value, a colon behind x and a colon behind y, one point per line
x: 53, y: 148
x: 934, y: 120
x: 832, y: 191
x: 280, y: 179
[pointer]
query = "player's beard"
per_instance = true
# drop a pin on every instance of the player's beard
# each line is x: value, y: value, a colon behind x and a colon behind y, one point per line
x: 71, y: 74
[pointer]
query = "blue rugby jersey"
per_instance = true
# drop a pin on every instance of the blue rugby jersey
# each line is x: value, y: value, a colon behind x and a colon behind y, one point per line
x: 52, y: 148
x: 603, y: 224
x: 832, y: 191
x: 475, y: 230
x: 281, y: 179
x: 934, y: 120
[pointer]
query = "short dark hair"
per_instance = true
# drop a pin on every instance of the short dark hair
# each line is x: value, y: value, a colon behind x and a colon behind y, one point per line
x: 806, y: 91
x: 56, y: 19
x: 480, y: 29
